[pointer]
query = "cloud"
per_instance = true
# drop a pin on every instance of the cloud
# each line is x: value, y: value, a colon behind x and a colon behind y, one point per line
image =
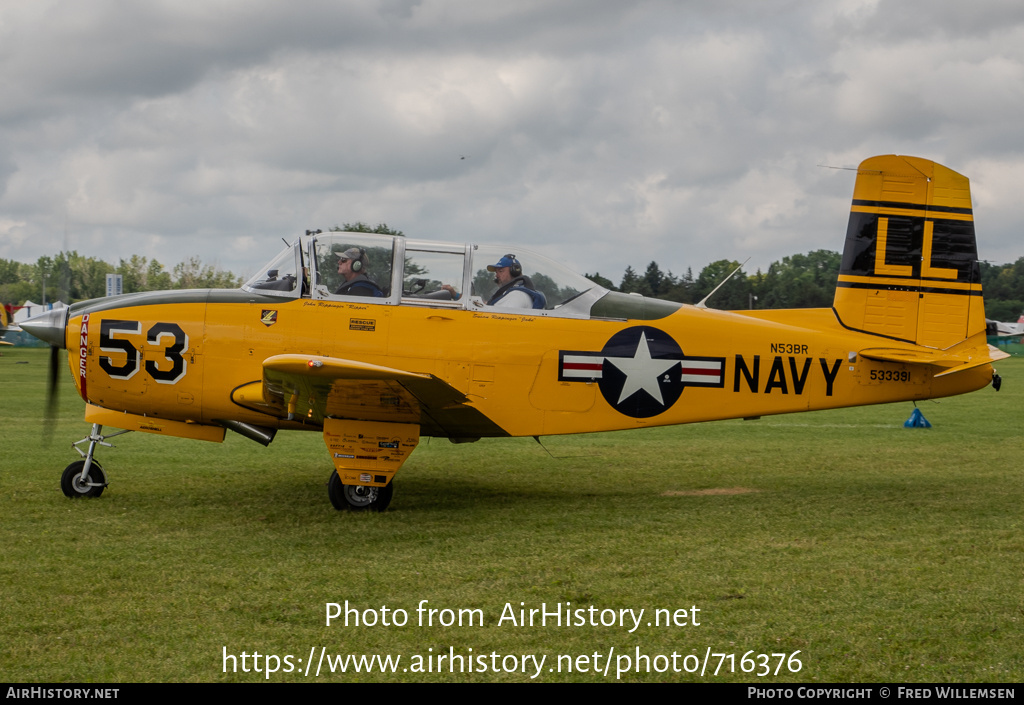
x: 691, y: 131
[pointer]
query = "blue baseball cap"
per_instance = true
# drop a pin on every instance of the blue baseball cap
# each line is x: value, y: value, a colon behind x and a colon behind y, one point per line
x: 506, y: 261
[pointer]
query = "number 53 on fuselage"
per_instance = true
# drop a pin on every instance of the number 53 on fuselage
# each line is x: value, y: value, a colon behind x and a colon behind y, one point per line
x: 375, y: 341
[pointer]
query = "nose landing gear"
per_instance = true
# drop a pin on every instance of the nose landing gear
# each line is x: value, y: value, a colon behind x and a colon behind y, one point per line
x: 85, y: 478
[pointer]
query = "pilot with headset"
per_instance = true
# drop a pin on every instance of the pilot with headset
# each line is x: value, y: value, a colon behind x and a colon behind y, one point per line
x: 514, y: 289
x: 352, y: 265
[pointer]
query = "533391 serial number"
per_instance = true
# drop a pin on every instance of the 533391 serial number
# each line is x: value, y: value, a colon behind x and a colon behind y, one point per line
x: 890, y: 375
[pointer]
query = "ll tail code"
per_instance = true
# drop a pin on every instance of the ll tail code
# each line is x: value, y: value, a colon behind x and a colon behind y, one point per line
x: 910, y: 266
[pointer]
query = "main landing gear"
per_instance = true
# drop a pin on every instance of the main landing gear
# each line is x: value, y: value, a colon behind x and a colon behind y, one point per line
x: 85, y: 478
x: 359, y: 498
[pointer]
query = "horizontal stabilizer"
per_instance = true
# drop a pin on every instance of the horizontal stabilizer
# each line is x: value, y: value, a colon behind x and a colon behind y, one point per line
x: 957, y: 361
x: 910, y: 357
x: 994, y: 354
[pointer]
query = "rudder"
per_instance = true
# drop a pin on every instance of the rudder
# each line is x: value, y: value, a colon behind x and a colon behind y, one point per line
x: 910, y: 265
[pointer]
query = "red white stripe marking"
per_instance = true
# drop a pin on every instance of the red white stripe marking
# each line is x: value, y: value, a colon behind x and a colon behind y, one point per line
x: 701, y: 371
x: 582, y: 366
x: 83, y: 352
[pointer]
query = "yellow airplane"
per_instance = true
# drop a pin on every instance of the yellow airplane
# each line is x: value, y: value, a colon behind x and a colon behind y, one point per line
x: 5, y: 322
x: 375, y: 341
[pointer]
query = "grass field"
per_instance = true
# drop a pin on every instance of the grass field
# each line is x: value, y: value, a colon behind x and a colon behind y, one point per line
x: 879, y: 553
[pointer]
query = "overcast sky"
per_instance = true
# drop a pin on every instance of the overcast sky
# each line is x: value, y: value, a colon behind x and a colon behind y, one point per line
x: 602, y: 133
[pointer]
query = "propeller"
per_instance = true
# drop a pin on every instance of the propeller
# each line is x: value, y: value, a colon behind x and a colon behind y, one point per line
x: 49, y: 327
x: 52, y: 395
x: 56, y: 340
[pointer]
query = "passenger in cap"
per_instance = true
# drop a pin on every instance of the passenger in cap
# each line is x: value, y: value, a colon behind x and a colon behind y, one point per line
x: 514, y: 289
x: 352, y: 264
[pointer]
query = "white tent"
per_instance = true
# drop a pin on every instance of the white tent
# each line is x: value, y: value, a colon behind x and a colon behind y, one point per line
x: 30, y: 309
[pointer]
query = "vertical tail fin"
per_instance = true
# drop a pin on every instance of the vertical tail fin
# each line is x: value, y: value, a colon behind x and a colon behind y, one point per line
x: 910, y: 266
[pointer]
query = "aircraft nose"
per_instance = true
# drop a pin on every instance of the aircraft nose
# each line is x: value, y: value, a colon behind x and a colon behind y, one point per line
x: 48, y: 327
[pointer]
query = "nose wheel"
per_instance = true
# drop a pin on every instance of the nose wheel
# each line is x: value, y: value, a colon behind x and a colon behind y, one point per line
x: 76, y: 483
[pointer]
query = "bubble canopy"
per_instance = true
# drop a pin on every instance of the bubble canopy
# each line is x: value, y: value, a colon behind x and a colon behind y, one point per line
x: 388, y: 270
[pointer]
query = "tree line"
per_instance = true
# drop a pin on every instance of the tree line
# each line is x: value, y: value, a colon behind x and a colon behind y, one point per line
x: 70, y: 277
x: 798, y: 281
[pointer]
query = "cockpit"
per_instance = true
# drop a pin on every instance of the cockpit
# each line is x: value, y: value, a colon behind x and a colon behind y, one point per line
x: 387, y: 270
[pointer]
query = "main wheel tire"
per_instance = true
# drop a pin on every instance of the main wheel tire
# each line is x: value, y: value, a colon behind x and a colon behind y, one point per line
x: 358, y: 498
x: 72, y: 486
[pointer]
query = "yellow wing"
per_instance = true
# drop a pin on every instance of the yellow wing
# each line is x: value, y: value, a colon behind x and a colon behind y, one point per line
x: 309, y: 388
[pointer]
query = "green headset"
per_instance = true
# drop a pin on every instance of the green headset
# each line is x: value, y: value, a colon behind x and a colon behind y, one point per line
x: 357, y: 265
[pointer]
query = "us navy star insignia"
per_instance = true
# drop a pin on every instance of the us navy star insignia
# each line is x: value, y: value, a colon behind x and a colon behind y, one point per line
x: 641, y: 371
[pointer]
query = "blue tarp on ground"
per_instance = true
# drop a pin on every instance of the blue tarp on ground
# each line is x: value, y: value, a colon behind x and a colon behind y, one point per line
x: 916, y: 420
